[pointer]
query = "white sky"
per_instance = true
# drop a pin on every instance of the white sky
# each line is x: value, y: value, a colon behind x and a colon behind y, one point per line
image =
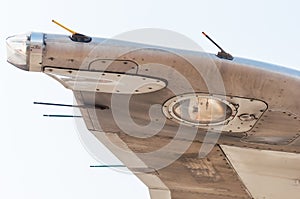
x: 43, y: 157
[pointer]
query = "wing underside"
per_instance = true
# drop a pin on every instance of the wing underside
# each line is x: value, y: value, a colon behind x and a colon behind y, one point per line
x: 189, y: 176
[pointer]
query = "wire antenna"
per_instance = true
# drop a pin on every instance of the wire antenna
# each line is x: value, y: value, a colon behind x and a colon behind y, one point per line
x: 64, y: 27
x: 75, y: 35
x: 63, y: 116
x: 96, y: 106
x: 222, y: 54
x: 107, y: 166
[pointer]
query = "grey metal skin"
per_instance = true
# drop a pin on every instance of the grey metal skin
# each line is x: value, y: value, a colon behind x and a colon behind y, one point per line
x: 277, y: 127
x: 275, y: 85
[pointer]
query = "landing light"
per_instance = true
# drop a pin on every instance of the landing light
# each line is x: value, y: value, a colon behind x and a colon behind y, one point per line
x: 199, y: 110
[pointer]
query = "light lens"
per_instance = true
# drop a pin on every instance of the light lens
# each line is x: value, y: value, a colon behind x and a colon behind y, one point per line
x: 17, y: 50
x: 202, y: 110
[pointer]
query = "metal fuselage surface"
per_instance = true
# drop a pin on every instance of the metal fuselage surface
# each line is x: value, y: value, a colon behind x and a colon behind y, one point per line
x: 242, y: 78
x: 263, y: 98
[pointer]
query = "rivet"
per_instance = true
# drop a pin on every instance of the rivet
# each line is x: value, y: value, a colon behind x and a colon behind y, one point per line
x: 246, y: 117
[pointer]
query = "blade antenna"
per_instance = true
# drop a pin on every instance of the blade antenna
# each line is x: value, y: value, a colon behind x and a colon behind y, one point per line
x: 75, y: 35
x: 222, y: 54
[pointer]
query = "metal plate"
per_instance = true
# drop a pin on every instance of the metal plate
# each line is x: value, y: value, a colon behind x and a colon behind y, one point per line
x: 36, y: 51
x: 106, y: 82
x: 114, y: 65
x: 266, y: 174
x: 275, y: 127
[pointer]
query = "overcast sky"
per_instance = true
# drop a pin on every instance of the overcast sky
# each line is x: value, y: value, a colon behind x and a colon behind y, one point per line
x: 43, y: 157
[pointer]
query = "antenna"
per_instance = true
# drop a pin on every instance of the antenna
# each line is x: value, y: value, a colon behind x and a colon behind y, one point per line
x: 96, y: 106
x: 222, y: 54
x: 75, y: 35
x: 65, y: 116
x: 64, y: 27
x: 107, y: 166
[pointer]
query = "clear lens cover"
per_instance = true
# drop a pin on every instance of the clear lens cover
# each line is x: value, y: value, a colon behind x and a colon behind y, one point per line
x: 202, y: 110
x: 17, y: 50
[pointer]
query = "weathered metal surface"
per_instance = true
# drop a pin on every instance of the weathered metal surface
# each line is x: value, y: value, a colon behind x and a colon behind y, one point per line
x: 267, y: 174
x: 131, y: 122
x: 245, y: 79
x: 275, y: 127
x: 105, y: 82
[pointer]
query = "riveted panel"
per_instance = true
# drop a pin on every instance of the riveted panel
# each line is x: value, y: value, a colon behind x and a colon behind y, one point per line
x: 106, y: 82
x: 114, y: 65
x: 275, y: 127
